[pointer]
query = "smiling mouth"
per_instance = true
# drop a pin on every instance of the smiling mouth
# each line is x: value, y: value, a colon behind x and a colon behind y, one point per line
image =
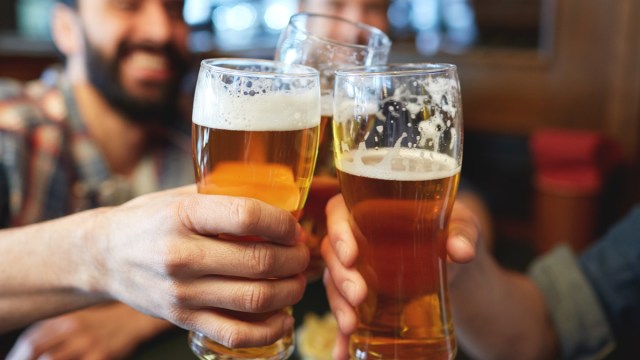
x: 149, y: 61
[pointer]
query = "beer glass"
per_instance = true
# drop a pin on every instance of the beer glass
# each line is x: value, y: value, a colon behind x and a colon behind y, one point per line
x: 254, y: 134
x: 398, y: 153
x: 327, y: 43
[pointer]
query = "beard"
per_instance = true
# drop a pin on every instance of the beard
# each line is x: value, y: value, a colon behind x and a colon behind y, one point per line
x: 104, y: 74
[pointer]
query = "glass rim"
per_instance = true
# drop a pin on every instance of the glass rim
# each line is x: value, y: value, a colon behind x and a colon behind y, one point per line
x: 396, y: 69
x: 386, y: 43
x: 215, y: 65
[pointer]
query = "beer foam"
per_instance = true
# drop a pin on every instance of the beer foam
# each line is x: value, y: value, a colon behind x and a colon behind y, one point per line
x: 256, y: 110
x: 326, y: 105
x: 398, y: 164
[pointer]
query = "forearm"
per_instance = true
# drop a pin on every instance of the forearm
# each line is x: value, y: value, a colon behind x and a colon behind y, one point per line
x: 499, y: 313
x: 46, y: 269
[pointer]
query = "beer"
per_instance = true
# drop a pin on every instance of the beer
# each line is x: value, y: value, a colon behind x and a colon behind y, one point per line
x: 254, y: 134
x: 400, y: 201
x: 273, y: 166
x: 327, y: 43
x: 324, y: 187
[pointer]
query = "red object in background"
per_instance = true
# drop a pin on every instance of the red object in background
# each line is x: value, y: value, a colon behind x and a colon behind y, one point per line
x: 571, y: 167
x: 573, y: 161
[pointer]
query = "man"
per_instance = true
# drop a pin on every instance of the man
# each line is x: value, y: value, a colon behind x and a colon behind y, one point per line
x: 106, y: 128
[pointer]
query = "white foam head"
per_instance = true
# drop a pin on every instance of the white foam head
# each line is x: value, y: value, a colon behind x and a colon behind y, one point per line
x: 252, y: 105
x: 398, y: 164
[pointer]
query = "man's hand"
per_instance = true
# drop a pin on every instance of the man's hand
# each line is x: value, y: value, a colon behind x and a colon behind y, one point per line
x: 171, y: 255
x: 346, y: 287
x: 109, y: 331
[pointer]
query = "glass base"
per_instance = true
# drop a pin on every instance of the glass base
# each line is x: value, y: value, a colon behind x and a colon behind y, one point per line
x: 207, y: 349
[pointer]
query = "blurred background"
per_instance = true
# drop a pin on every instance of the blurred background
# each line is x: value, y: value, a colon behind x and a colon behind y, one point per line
x: 551, y: 97
x: 551, y: 93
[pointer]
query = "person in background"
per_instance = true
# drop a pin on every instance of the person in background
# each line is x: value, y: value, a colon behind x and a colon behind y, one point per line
x: 370, y: 12
x: 566, y: 306
x: 103, y: 129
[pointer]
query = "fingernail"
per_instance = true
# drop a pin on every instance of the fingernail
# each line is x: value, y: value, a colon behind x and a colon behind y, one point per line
x: 288, y: 323
x: 463, y: 240
x: 348, y: 289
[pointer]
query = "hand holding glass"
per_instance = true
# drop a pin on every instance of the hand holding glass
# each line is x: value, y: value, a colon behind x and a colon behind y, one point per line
x: 255, y: 134
x: 398, y: 153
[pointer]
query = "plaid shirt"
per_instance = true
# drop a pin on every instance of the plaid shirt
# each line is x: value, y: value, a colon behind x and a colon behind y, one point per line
x: 50, y: 167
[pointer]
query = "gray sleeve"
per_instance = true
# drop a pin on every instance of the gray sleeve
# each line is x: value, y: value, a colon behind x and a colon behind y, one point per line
x: 579, y: 320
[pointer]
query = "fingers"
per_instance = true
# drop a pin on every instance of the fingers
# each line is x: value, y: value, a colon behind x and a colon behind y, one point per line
x: 231, y: 332
x: 241, y: 295
x: 464, y: 234
x: 344, y: 313
x: 40, y: 339
x: 341, y: 348
x: 214, y: 214
x: 347, y: 280
x: 80, y: 347
x: 245, y: 259
x: 339, y: 231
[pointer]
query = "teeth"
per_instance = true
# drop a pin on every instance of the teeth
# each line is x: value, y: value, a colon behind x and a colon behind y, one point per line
x: 149, y: 61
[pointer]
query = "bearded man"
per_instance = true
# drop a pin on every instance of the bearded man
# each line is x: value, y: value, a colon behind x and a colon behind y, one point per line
x: 102, y: 129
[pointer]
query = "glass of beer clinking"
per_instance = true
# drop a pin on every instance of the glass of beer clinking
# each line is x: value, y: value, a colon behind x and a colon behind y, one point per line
x: 327, y: 43
x: 398, y: 153
x: 255, y: 134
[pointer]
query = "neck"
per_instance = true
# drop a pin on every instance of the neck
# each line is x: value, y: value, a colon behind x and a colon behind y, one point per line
x: 121, y: 141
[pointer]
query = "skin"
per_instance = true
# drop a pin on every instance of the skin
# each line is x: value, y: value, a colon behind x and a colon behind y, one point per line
x: 168, y: 265
x: 114, y: 330
x: 497, y: 313
x: 371, y: 12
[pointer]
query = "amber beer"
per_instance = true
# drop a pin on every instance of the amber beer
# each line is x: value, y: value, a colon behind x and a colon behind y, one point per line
x: 254, y: 134
x: 273, y: 166
x: 324, y: 186
x: 400, y: 203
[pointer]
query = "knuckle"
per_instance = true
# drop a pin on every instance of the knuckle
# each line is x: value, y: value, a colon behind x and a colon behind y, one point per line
x: 178, y: 295
x: 178, y: 257
x: 247, y: 213
x: 232, y: 336
x: 256, y: 298
x: 261, y: 260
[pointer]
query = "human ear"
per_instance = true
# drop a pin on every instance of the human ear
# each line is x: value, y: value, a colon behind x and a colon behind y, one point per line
x: 65, y: 29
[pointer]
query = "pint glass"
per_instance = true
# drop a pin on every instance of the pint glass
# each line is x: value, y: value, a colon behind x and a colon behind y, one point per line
x: 255, y: 134
x: 327, y: 43
x: 398, y: 153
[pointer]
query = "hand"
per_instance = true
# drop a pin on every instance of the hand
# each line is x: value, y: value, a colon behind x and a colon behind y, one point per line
x: 346, y: 287
x: 110, y: 331
x: 163, y: 254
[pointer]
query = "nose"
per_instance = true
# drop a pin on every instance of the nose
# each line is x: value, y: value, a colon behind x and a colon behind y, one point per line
x: 154, y: 22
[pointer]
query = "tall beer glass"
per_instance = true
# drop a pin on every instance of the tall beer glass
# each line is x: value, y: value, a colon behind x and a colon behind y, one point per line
x: 327, y: 43
x: 255, y: 134
x: 398, y: 153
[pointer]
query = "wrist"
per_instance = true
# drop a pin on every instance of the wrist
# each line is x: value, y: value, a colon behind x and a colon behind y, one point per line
x: 88, y: 242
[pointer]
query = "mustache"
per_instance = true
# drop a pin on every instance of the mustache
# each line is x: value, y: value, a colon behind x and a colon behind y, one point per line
x: 177, y: 60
